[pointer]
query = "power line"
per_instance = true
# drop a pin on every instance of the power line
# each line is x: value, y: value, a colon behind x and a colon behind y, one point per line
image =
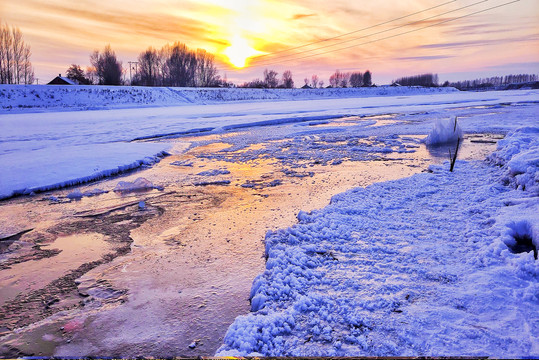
x: 276, y: 62
x: 410, y: 31
x: 382, y: 31
x: 355, y: 31
x: 396, y: 35
x: 349, y: 33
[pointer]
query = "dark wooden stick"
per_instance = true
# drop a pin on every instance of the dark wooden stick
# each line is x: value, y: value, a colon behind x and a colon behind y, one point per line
x: 455, y: 157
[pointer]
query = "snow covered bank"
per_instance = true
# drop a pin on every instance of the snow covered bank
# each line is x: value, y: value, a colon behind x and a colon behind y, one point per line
x: 435, y: 264
x: 62, y: 166
x: 518, y: 154
x: 24, y: 98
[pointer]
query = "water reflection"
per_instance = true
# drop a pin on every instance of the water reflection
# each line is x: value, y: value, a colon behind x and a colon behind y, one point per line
x: 472, y: 147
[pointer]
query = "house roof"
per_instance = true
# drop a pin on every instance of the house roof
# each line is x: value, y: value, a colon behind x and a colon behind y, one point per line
x: 63, y: 79
x: 68, y: 80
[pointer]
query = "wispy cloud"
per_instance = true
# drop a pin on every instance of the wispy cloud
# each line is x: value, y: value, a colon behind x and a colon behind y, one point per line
x: 441, y: 21
x: 425, y: 58
x: 482, y: 42
x: 530, y: 65
x: 302, y: 16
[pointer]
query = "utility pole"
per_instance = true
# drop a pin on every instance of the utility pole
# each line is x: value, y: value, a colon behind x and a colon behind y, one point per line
x: 131, y: 63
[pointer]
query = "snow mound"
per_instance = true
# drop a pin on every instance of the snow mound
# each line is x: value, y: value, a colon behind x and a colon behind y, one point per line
x: 444, y: 132
x: 518, y: 155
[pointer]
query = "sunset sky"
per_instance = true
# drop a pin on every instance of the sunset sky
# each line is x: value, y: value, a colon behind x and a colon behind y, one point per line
x: 496, y: 42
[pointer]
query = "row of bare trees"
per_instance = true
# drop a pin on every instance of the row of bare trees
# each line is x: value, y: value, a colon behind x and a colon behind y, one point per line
x: 15, y: 65
x: 494, y: 81
x: 172, y: 65
x: 338, y: 79
x: 271, y: 81
x: 427, y: 80
x: 176, y: 65
x: 350, y: 79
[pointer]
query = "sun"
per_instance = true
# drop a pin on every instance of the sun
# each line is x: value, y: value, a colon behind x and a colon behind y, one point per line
x: 239, y: 51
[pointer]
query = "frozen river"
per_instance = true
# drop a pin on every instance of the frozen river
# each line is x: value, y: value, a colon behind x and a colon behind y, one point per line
x: 52, y: 149
x: 187, y: 256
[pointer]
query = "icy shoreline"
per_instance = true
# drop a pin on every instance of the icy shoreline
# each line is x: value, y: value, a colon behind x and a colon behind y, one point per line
x: 35, y: 146
x: 422, y: 266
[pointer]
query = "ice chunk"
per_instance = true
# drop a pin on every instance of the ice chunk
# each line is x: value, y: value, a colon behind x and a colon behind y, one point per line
x: 444, y: 132
x: 140, y: 184
x: 94, y: 192
x: 214, y: 172
x: 182, y: 163
x: 75, y: 195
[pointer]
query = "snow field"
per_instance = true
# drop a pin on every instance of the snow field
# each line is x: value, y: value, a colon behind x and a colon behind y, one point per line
x: 425, y: 265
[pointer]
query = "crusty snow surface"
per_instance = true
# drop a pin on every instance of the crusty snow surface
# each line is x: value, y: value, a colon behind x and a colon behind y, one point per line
x: 417, y: 266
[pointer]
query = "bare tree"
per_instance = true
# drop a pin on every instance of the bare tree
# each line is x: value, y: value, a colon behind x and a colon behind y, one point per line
x: 314, y: 81
x: 339, y: 79
x: 6, y: 61
x: 15, y: 65
x: 206, y: 72
x: 288, y: 82
x: 367, y: 78
x: 270, y: 78
x: 108, y: 68
x: 178, y: 65
x: 18, y: 55
x: 148, y: 68
x: 28, y: 70
x: 356, y: 79
x: 5, y: 48
x: 321, y: 83
x: 345, y: 79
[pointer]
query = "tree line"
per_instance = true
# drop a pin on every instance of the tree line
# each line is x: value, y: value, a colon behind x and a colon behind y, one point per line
x: 494, y: 81
x: 431, y: 80
x: 427, y: 80
x: 15, y: 64
x: 350, y: 79
x: 271, y: 80
x: 173, y: 65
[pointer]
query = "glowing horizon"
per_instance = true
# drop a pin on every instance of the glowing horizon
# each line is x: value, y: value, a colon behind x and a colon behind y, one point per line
x: 61, y: 32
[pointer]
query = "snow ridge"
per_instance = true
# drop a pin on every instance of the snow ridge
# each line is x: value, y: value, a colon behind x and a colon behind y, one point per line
x: 28, y: 98
x: 518, y: 154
